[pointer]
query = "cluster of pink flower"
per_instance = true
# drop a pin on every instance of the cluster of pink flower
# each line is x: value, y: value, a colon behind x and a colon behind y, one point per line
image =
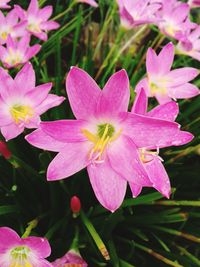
x: 16, y: 29
x: 172, y: 18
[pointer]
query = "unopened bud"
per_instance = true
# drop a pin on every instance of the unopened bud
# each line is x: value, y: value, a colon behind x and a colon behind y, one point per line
x: 4, y: 150
x: 75, y: 204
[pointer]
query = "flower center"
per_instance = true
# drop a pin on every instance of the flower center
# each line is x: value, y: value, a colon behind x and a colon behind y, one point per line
x: 105, y: 134
x: 4, y: 35
x: 34, y: 25
x: 21, y: 113
x: 14, y: 57
x: 20, y: 257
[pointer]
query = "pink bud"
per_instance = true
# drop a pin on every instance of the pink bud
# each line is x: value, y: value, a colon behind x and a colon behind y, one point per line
x: 4, y: 150
x: 75, y: 204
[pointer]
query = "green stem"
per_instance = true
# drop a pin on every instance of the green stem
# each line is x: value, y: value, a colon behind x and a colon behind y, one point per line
x: 101, y: 246
x: 30, y: 227
x: 65, y: 11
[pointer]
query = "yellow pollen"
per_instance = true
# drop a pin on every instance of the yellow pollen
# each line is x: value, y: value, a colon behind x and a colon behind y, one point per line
x: 144, y: 154
x: 101, y: 141
x: 14, y: 57
x: 21, y: 264
x: 34, y: 27
x: 4, y: 35
x: 21, y: 113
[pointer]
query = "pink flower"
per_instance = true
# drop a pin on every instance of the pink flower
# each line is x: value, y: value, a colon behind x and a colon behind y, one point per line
x: 105, y: 137
x: 10, y: 25
x: 150, y: 159
x: 17, y: 52
x: 71, y: 258
x: 174, y: 19
x: 137, y: 12
x: 194, y: 3
x: 75, y: 204
x: 191, y: 44
x: 3, y: 4
x: 22, y: 103
x: 37, y: 19
x: 163, y: 83
x: 89, y: 2
x: 16, y: 251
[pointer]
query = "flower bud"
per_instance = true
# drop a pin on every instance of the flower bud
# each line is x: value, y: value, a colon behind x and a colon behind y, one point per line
x: 4, y: 150
x: 75, y: 204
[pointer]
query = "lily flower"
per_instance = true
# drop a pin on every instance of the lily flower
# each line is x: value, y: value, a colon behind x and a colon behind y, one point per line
x: 174, y: 19
x: 166, y: 84
x: 89, y: 2
x: 151, y: 160
x: 18, y: 52
x: 71, y: 258
x: 10, y: 25
x: 194, y: 3
x: 190, y: 46
x: 105, y: 137
x: 22, y: 103
x: 137, y: 12
x: 4, y: 4
x: 37, y: 19
x: 17, y: 252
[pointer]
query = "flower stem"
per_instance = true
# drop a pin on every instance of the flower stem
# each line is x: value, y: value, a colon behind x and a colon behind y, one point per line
x: 30, y: 227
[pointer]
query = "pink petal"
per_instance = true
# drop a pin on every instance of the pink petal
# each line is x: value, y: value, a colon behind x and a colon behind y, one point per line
x: 181, y: 12
x: 116, y: 94
x: 39, y: 245
x: 168, y: 111
x: 25, y: 79
x: 186, y: 90
x: 12, y: 17
x: 40, y: 139
x: 46, y: 12
x: 89, y: 2
x: 125, y: 160
x: 152, y: 64
x: 34, y: 122
x: 109, y: 187
x: 83, y: 93
x: 33, y: 7
x: 166, y: 58
x: 7, y: 86
x: 152, y: 132
x: 135, y: 189
x: 11, y: 131
x: 8, y: 239
x: 10, y: 43
x: 162, y: 99
x: 39, y: 94
x: 3, y: 53
x: 24, y: 42
x: 65, y: 130
x: 41, y: 35
x: 158, y: 176
x: 180, y: 76
x: 72, y: 159
x: 50, y: 102
x: 5, y: 116
x: 140, y: 103
x: 49, y: 25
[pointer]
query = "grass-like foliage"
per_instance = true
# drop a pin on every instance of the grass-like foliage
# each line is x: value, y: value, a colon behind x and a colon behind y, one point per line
x: 145, y: 231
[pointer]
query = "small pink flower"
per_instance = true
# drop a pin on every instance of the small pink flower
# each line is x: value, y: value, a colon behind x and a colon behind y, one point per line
x: 22, y: 103
x: 194, y: 3
x: 4, y: 150
x: 89, y: 2
x: 150, y: 159
x: 163, y: 83
x: 105, y: 137
x: 174, y: 19
x: 191, y: 44
x: 17, y: 52
x: 37, y: 19
x: 4, y: 4
x: 75, y: 204
x: 71, y: 258
x: 16, y: 251
x: 137, y: 12
x: 11, y: 25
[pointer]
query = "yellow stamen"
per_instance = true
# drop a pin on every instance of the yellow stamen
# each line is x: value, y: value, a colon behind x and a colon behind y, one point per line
x: 24, y: 264
x: 21, y: 113
x: 4, y: 35
x: 145, y: 153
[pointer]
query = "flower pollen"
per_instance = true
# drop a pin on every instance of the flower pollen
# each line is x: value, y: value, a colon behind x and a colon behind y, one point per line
x: 20, y: 257
x: 21, y: 113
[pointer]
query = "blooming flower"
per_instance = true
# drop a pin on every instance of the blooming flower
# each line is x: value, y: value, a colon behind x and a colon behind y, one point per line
x: 105, y: 137
x: 163, y: 83
x: 174, y: 19
x: 191, y: 44
x: 151, y: 160
x: 18, y: 252
x: 4, y: 150
x: 37, y: 19
x: 137, y: 12
x: 89, y: 2
x: 71, y: 258
x: 10, y: 25
x: 17, y: 52
x: 4, y: 4
x: 194, y: 3
x: 22, y: 103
